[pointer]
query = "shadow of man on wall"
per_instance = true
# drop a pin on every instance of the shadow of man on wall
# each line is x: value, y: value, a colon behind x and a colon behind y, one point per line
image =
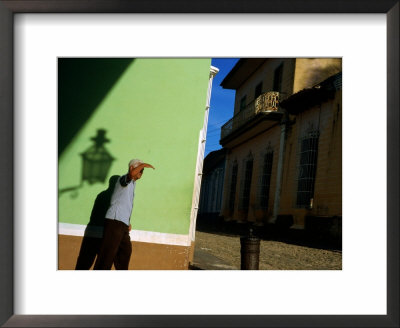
x: 94, y: 230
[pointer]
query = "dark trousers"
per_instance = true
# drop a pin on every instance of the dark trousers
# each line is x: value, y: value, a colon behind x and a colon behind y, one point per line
x: 115, y: 247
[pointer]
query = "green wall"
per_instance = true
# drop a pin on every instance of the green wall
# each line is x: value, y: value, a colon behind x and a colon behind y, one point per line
x: 152, y: 109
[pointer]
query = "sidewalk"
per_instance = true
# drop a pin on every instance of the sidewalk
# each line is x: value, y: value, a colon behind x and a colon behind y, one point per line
x: 206, y: 261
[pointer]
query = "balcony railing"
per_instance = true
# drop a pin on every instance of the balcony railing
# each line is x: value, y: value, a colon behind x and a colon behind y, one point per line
x: 267, y: 102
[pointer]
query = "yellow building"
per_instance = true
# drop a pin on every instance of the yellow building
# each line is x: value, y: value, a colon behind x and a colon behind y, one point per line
x: 284, y: 153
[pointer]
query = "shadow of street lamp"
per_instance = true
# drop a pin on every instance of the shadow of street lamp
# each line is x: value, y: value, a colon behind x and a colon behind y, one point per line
x: 96, y: 160
x: 96, y: 163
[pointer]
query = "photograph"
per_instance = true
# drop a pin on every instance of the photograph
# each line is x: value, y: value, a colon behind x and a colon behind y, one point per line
x: 239, y: 162
x: 200, y: 158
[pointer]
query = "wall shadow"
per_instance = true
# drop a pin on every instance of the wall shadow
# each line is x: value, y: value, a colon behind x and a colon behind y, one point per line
x: 82, y: 85
x: 94, y: 230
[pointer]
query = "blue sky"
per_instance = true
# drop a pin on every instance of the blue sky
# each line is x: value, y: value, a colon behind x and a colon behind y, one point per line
x: 222, y: 103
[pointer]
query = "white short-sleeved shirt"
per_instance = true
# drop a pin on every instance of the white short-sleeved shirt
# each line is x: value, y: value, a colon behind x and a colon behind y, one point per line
x: 121, y: 204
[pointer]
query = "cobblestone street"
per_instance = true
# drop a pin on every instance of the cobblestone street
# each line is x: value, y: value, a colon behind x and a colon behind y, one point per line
x: 274, y: 255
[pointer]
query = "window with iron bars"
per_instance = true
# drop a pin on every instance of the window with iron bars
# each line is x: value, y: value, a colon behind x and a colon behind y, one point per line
x: 307, y: 169
x: 245, y: 195
x: 232, y: 191
x: 265, y: 180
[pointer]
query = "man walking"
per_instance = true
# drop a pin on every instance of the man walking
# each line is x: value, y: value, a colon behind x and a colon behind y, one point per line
x: 116, y: 244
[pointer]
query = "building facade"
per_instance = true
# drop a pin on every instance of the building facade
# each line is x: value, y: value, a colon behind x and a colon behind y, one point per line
x: 113, y: 110
x: 212, y: 184
x: 283, y: 162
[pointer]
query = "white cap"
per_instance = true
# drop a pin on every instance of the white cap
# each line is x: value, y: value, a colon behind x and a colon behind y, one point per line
x: 135, y: 163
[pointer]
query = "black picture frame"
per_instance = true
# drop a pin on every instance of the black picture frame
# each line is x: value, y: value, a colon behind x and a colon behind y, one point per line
x: 10, y: 7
